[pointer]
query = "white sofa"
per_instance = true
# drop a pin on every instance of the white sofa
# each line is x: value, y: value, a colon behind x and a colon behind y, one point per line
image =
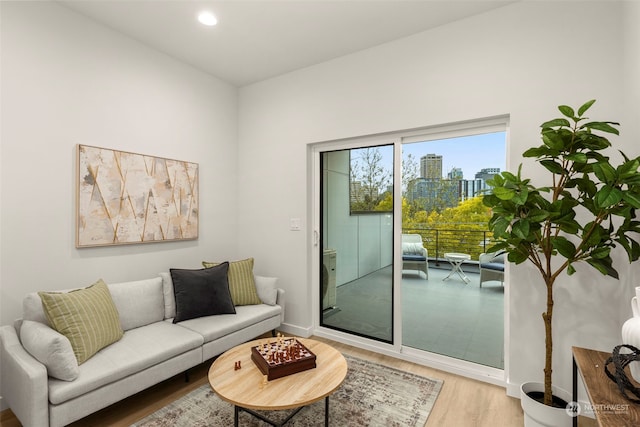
x: 151, y: 350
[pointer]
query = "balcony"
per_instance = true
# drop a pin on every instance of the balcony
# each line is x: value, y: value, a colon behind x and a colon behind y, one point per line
x: 447, y: 317
x: 463, y: 240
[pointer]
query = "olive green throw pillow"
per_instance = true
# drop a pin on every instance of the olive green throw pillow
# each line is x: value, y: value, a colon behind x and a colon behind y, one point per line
x: 87, y: 317
x: 241, y: 282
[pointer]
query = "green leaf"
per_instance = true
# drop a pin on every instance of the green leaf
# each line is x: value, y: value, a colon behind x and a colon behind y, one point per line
x: 537, y: 215
x: 537, y: 152
x: 603, y: 266
x: 570, y: 269
x: 509, y: 176
x: 555, y: 123
x: 632, y: 198
x: 521, y: 229
x: 499, y: 227
x: 600, y: 252
x: 552, y: 166
x: 598, y: 233
x: 567, y: 111
x: 497, y: 247
x: 628, y: 169
x: 564, y: 247
x: 570, y: 226
x: 504, y: 193
x: 490, y: 200
x: 608, y: 196
x: 593, y: 142
x: 585, y: 107
x: 604, y: 171
x: 577, y: 157
x: 496, y: 181
x: 602, y: 126
x: 553, y: 140
x: 517, y: 257
x: 521, y: 197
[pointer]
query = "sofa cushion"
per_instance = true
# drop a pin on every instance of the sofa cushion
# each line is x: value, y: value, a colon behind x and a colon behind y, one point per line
x: 411, y: 248
x: 496, y: 266
x: 50, y: 348
x: 201, y: 292
x: 267, y: 291
x: 87, y: 317
x: 413, y: 258
x: 139, y: 348
x: 246, y: 315
x: 139, y: 302
x: 169, y: 297
x: 241, y: 281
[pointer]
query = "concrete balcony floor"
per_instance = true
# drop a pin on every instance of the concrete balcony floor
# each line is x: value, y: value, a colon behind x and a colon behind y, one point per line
x: 447, y: 317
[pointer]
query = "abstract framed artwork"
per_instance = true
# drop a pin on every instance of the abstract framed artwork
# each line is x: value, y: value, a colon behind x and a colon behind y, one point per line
x: 126, y: 198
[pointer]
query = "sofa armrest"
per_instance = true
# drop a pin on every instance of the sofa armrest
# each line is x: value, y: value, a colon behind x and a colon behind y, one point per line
x: 280, y: 301
x: 24, y: 383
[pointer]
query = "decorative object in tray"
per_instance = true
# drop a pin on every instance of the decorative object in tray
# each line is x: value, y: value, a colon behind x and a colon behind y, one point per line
x: 282, y: 357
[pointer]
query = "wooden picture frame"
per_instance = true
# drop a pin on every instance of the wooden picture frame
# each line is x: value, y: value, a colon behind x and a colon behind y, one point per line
x: 128, y: 198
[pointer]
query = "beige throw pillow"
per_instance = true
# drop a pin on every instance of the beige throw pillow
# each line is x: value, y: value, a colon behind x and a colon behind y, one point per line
x: 87, y: 317
x: 241, y: 282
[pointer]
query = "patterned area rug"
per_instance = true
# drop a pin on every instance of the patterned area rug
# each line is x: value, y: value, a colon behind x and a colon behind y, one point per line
x: 371, y: 395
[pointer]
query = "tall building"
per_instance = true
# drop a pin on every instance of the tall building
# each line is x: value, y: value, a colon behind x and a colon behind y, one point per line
x: 431, y: 166
x: 455, y: 174
x: 469, y: 188
x: 487, y: 173
x: 473, y: 188
x: 433, y: 194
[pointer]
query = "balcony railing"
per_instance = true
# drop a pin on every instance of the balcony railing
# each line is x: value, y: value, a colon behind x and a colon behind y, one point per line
x: 467, y: 241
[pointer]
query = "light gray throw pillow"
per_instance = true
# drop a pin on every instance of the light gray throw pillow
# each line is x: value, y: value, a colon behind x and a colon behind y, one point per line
x: 50, y: 348
x: 266, y: 287
x: 169, y: 297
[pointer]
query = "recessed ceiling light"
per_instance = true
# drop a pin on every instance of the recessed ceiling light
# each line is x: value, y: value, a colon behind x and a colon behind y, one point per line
x: 207, y: 18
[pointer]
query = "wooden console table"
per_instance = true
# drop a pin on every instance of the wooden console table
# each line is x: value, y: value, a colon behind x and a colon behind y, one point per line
x: 611, y: 408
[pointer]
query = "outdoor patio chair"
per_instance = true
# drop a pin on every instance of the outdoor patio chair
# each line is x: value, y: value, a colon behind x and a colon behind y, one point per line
x: 492, y: 267
x: 414, y: 254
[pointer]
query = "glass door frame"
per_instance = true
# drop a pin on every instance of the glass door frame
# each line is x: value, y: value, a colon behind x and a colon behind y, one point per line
x: 316, y: 249
x: 396, y: 349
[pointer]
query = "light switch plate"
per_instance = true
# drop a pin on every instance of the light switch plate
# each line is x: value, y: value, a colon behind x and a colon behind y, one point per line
x: 295, y: 224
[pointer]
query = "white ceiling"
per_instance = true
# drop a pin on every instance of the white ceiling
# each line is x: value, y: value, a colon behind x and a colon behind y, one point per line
x: 258, y: 39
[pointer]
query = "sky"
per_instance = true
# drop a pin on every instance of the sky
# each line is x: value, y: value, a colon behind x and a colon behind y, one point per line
x: 469, y: 153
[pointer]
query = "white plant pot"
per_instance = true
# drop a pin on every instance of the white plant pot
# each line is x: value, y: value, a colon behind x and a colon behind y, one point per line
x: 631, y: 335
x: 537, y: 414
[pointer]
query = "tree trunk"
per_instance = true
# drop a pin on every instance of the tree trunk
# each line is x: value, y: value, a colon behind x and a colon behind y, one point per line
x: 548, y: 357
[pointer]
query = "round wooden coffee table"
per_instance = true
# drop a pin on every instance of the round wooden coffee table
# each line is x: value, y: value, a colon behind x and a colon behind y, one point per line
x: 247, y: 390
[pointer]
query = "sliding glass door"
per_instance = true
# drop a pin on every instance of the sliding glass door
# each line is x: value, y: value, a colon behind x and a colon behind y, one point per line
x: 356, y: 274
x: 445, y: 179
x: 392, y: 212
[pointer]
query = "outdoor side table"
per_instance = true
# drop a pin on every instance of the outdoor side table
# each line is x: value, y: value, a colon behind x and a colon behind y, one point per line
x: 456, y: 259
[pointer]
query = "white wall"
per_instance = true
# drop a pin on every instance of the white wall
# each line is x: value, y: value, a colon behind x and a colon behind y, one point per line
x: 67, y: 80
x: 522, y: 60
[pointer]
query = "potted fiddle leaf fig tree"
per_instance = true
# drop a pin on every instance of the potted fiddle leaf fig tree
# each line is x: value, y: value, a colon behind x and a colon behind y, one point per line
x: 585, y: 210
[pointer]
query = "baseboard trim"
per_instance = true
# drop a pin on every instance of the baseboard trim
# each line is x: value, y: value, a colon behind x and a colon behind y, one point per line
x: 295, y: 330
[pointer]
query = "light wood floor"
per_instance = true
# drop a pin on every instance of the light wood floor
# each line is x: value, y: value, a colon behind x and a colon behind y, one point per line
x: 462, y: 401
